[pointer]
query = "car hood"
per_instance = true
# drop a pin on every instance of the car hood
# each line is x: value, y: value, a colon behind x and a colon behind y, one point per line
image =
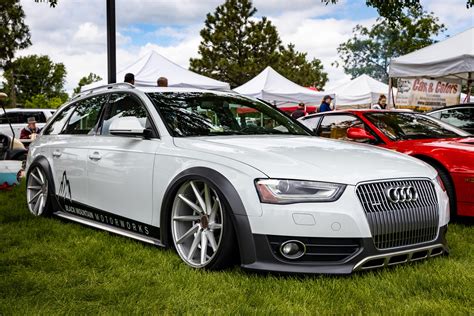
x: 310, y: 158
x: 465, y: 144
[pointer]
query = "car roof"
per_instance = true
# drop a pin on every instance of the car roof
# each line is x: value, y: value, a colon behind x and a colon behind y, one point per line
x: 182, y: 90
x: 462, y: 105
x: 353, y: 111
x: 28, y: 110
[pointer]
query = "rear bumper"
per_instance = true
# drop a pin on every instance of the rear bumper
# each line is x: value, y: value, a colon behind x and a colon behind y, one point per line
x: 339, y: 256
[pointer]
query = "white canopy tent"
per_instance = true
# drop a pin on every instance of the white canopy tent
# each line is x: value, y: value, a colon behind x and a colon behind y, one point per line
x: 361, y: 91
x: 148, y: 68
x: 272, y: 87
x: 451, y: 60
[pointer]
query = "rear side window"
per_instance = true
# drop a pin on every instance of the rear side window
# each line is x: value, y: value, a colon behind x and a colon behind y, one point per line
x: 21, y: 117
x: 57, y: 125
x: 462, y: 117
x: 85, y: 116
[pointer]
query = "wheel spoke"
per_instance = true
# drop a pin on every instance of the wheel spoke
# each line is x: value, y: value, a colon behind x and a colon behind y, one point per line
x: 34, y: 187
x: 187, y: 218
x: 36, y: 207
x: 40, y: 174
x: 212, y: 217
x: 198, y: 196
x: 207, y: 199
x: 203, y: 247
x: 194, y: 245
x: 36, y: 178
x: 40, y: 203
x: 35, y: 197
x: 215, y: 226
x: 212, y: 240
x: 191, y: 204
x: 190, y: 232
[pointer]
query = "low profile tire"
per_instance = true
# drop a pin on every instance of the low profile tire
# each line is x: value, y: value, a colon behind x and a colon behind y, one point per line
x: 38, y: 189
x: 448, y: 184
x: 201, y: 227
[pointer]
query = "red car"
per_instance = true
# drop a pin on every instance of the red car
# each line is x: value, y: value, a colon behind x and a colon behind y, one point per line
x: 448, y: 149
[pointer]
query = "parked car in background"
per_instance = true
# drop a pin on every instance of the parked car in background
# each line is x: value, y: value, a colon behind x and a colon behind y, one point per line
x: 184, y: 168
x: 461, y: 116
x: 18, y: 119
x: 446, y: 148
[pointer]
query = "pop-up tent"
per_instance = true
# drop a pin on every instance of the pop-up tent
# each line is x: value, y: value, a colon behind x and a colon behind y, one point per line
x: 272, y: 87
x: 148, y: 68
x: 452, y: 58
x: 362, y: 91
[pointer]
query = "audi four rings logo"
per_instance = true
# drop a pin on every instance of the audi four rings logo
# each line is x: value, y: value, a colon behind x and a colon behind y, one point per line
x: 401, y: 194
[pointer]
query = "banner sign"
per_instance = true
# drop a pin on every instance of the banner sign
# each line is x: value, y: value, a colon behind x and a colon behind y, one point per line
x: 427, y: 93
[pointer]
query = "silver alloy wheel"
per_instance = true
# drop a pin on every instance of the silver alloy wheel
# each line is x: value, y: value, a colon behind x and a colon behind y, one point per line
x: 37, y: 191
x: 197, y: 223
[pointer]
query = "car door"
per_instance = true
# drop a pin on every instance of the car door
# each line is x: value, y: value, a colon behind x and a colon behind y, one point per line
x: 120, y: 168
x: 69, y: 148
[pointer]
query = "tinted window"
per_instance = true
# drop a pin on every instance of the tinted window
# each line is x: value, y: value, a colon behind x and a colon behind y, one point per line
x: 335, y: 126
x: 311, y: 122
x: 123, y: 105
x: 57, y: 125
x: 462, y: 117
x: 85, y: 116
x: 401, y: 125
x: 209, y: 114
x: 21, y: 117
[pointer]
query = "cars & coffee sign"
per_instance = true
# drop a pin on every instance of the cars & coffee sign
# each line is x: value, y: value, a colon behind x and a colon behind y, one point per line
x: 427, y: 93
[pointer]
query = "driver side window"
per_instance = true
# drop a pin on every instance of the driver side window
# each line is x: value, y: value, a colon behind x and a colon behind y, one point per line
x: 336, y: 126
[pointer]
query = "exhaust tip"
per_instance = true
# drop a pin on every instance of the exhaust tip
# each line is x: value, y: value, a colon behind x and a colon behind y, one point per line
x: 292, y: 249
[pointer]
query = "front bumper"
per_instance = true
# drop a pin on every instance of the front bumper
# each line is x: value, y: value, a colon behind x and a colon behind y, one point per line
x: 339, y: 255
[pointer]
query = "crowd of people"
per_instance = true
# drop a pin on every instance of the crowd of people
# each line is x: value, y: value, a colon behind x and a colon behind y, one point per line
x: 160, y: 82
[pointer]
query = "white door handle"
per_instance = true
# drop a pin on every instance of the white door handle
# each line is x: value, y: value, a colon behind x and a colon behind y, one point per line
x: 57, y: 154
x: 95, y: 156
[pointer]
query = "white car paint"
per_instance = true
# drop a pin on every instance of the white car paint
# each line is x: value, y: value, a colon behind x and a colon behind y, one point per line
x: 132, y: 176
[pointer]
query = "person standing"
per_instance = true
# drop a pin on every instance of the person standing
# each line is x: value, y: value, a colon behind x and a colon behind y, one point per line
x: 30, y: 131
x: 326, y: 104
x: 129, y: 78
x: 299, y: 112
x: 381, y: 104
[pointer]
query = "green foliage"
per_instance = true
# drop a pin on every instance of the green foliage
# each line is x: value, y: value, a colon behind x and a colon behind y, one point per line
x: 394, y: 9
x: 41, y: 101
x: 33, y: 75
x: 369, y: 50
x: 14, y: 33
x: 91, y: 78
x: 51, y: 267
x: 52, y: 3
x: 236, y: 46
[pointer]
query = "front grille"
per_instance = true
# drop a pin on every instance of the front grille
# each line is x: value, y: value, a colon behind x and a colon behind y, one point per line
x: 403, y: 223
x: 319, y: 249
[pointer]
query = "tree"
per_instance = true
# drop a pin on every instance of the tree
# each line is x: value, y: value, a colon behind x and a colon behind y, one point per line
x: 369, y: 50
x: 14, y: 33
x: 40, y: 101
x: 33, y: 75
x: 294, y: 66
x: 91, y: 78
x: 394, y: 9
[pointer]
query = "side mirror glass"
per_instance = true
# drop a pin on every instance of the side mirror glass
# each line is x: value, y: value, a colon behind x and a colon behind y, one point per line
x: 126, y: 126
x: 358, y: 133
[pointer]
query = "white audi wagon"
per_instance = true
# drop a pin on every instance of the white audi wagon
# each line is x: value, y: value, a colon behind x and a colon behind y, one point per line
x: 223, y: 178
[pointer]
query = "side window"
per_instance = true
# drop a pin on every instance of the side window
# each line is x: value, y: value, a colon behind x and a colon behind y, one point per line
x: 57, y: 125
x: 85, y: 116
x: 123, y: 105
x: 312, y: 122
x: 13, y: 117
x: 335, y: 126
x: 462, y: 118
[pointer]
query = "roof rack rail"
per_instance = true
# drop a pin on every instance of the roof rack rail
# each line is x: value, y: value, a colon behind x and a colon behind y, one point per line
x: 104, y: 87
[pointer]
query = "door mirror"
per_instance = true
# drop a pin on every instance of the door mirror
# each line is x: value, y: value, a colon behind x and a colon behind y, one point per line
x: 358, y: 133
x: 126, y: 126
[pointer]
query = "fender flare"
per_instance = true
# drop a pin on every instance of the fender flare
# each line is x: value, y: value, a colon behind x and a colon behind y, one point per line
x: 43, y: 162
x: 237, y: 210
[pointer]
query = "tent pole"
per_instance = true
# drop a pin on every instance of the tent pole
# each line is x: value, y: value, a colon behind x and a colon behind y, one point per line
x: 390, y: 93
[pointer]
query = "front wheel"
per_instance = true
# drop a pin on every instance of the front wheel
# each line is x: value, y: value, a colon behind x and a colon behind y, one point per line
x: 201, y: 229
x: 37, y: 191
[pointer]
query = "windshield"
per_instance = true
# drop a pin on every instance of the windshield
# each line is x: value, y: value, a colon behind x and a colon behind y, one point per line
x: 208, y: 114
x: 405, y: 126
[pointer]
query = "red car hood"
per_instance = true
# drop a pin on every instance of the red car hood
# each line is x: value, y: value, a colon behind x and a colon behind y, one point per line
x: 465, y: 144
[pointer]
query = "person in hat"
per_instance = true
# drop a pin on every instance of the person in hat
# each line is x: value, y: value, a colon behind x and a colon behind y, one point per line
x: 299, y: 112
x: 30, y: 131
x: 326, y: 104
x: 129, y: 78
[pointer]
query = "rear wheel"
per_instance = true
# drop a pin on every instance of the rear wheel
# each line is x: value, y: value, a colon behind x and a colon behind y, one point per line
x: 201, y: 228
x: 37, y: 191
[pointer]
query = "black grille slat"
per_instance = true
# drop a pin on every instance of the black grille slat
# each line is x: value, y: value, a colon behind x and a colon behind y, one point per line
x: 404, y: 223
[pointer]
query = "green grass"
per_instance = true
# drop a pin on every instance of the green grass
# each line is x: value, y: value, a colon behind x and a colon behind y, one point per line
x: 49, y: 267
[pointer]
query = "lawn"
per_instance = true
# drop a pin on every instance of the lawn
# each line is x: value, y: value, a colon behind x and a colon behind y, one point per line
x: 48, y: 266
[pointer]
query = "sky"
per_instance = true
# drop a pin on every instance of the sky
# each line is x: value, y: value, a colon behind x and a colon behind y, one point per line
x: 74, y: 32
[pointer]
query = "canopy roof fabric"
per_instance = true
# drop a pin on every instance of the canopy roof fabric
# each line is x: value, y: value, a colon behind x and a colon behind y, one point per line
x: 148, y: 68
x: 452, y: 58
x: 359, y: 91
x: 272, y: 87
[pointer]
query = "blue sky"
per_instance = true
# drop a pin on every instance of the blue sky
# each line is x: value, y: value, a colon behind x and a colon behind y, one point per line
x: 74, y: 31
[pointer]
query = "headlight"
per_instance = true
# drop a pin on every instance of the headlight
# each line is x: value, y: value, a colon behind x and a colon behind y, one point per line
x: 276, y: 191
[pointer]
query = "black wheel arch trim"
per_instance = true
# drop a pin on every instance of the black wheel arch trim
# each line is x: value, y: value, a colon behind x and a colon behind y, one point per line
x: 44, y: 163
x: 238, y: 213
